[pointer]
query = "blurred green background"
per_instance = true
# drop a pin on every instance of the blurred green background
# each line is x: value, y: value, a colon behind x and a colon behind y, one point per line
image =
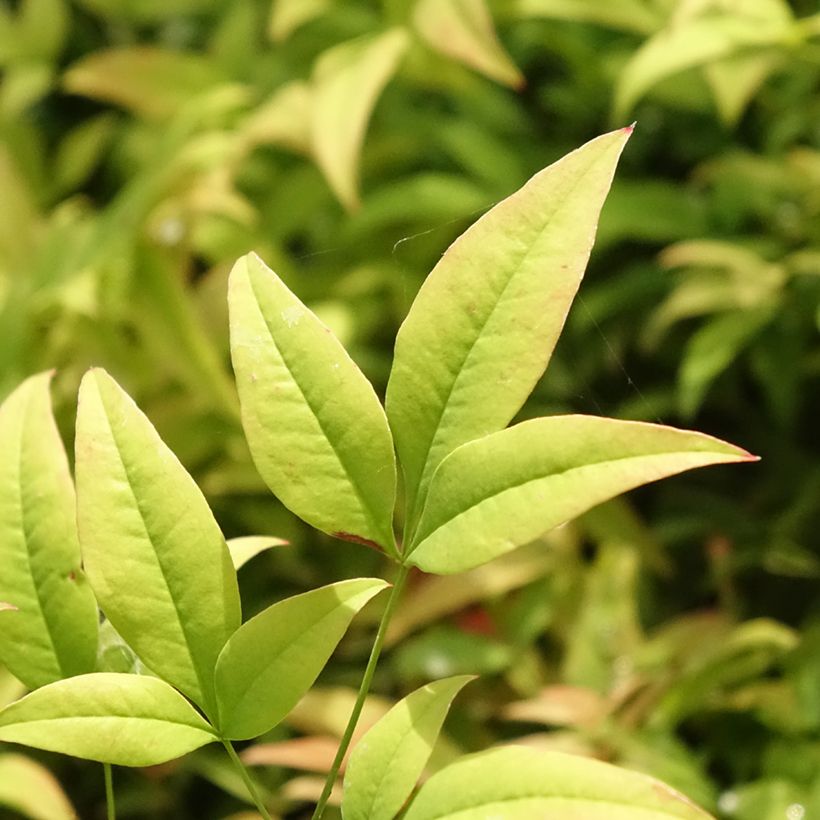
x: 146, y: 144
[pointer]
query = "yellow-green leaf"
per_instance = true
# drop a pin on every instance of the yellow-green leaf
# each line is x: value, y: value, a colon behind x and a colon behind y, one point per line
x: 347, y: 81
x: 154, y: 553
x: 316, y: 430
x: 483, y: 327
x: 508, y: 488
x: 51, y: 630
x: 245, y: 547
x: 30, y: 789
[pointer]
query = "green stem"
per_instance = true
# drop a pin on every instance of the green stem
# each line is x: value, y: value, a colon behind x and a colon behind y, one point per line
x: 109, y: 793
x: 367, y: 679
x: 249, y: 784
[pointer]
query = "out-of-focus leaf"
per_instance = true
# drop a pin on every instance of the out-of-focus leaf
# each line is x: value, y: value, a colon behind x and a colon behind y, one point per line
x: 316, y: 429
x: 735, y: 80
x: 491, y: 311
x: 325, y: 710
x: 149, y: 81
x: 128, y: 720
x: 244, y: 548
x: 695, y: 43
x: 388, y: 760
x: 628, y: 15
x: 153, y: 551
x: 273, y: 659
x: 81, y: 150
x: 518, y: 783
x: 464, y: 30
x: 288, y: 15
x: 283, y: 119
x: 437, y: 596
x: 10, y: 687
x: 312, y: 754
x: 713, y: 348
x: 30, y: 789
x: 347, y: 81
x: 559, y: 705
x: 501, y: 491
x: 52, y: 631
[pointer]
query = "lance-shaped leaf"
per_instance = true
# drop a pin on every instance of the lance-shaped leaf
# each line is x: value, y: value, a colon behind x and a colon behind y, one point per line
x: 245, y: 547
x: 463, y: 30
x: 316, y: 430
x: 128, y: 720
x: 484, y: 324
x: 347, y: 82
x: 50, y: 629
x: 517, y: 783
x: 153, y: 552
x: 388, y: 760
x: 506, y: 489
x: 30, y: 789
x: 274, y: 658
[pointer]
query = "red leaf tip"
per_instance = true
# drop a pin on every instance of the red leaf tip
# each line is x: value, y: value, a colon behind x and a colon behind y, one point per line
x: 630, y: 128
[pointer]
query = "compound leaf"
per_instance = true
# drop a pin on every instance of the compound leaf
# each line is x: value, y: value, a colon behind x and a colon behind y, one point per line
x: 517, y: 783
x: 128, y: 720
x: 316, y: 430
x: 274, y: 658
x: 484, y: 324
x: 388, y: 760
x: 494, y: 494
x: 154, y: 553
x: 49, y: 630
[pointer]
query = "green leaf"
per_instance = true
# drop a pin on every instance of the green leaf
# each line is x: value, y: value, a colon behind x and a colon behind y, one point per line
x: 464, y: 30
x: 154, y: 553
x: 31, y: 790
x: 713, y: 348
x: 523, y: 783
x: 286, y: 16
x: 151, y: 82
x: 691, y: 44
x: 628, y: 15
x: 51, y: 632
x: 249, y: 546
x: 347, y: 81
x: 128, y: 720
x: 388, y: 760
x: 483, y: 326
x: 508, y: 488
x: 316, y: 429
x: 274, y: 658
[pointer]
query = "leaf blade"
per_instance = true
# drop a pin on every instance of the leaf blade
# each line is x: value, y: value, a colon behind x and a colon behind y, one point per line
x: 31, y: 789
x: 541, y: 473
x: 388, y: 760
x: 52, y: 631
x: 274, y: 658
x: 516, y: 782
x: 489, y: 316
x: 154, y: 553
x: 317, y: 432
x: 127, y: 720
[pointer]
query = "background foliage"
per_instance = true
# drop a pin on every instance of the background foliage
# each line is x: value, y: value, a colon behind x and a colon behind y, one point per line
x: 145, y: 145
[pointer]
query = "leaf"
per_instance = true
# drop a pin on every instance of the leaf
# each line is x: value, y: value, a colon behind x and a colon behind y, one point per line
x: 249, y: 546
x: 691, y: 44
x: 316, y: 430
x: 516, y: 782
x: 347, y: 81
x: 286, y: 16
x: 128, y: 720
x: 483, y: 326
x: 274, y: 658
x: 312, y: 754
x: 713, y: 348
x: 735, y: 80
x: 30, y: 789
x: 283, y: 119
x: 463, y: 30
x: 388, y: 760
x: 154, y: 553
x: 628, y: 15
x: 150, y: 82
x: 51, y: 630
x: 506, y: 489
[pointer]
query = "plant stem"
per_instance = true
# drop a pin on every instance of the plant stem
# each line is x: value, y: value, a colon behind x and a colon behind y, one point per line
x: 367, y: 679
x: 111, y: 810
x: 249, y: 784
